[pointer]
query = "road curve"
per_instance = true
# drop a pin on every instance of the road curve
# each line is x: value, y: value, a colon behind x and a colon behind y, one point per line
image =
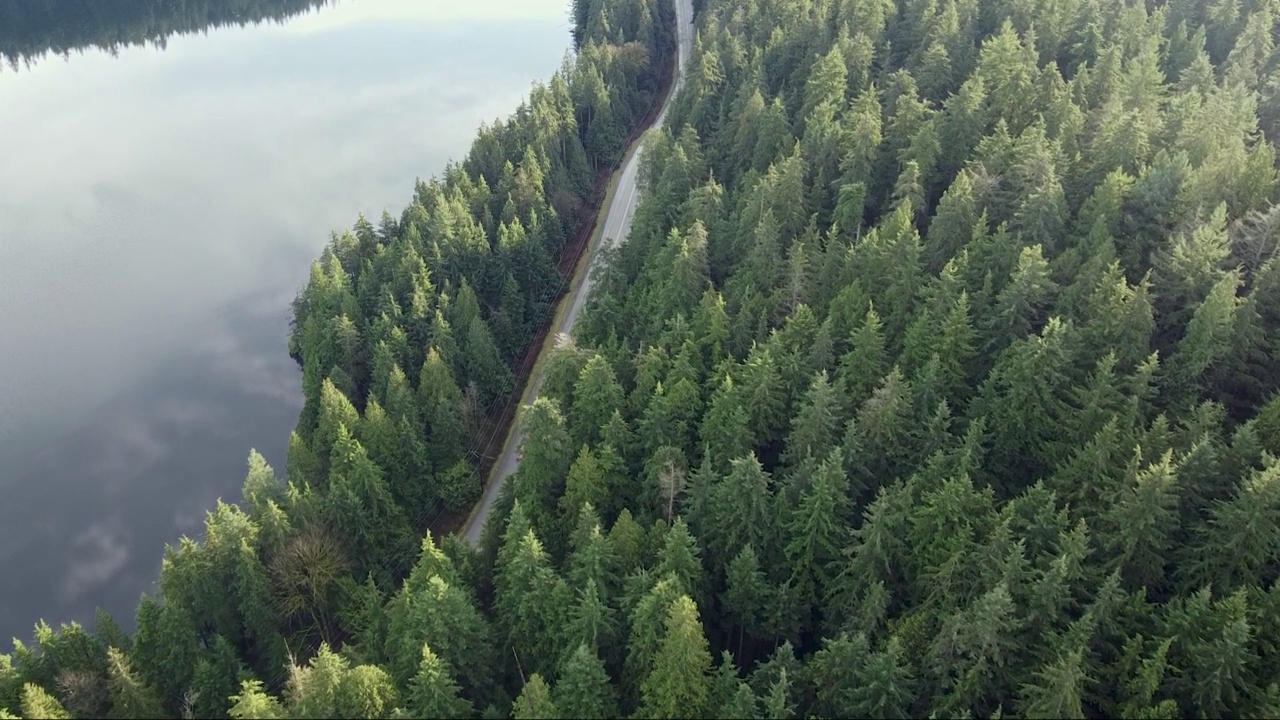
x: 616, y: 220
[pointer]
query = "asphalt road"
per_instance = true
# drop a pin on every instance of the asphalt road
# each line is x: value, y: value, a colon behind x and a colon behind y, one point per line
x: 617, y: 224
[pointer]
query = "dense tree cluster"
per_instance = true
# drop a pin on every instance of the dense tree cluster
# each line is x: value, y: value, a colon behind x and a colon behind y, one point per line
x: 938, y: 377
x: 946, y: 338
x: 408, y: 334
x: 31, y: 29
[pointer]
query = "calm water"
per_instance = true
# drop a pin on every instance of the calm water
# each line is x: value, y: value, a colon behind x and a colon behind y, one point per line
x: 158, y: 211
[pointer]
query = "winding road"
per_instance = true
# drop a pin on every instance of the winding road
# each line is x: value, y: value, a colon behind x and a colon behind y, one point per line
x: 617, y: 224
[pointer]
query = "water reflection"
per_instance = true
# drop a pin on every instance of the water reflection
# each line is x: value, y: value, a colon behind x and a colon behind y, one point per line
x: 157, y: 211
x: 29, y: 29
x: 86, y: 523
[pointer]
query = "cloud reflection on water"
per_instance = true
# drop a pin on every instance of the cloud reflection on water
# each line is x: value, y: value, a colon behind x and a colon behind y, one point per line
x: 157, y: 213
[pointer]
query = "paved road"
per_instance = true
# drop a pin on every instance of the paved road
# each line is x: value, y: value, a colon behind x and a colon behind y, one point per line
x: 617, y: 224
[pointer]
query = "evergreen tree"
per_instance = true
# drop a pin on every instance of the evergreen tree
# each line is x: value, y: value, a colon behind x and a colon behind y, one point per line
x: 547, y: 456
x: 1058, y: 690
x: 596, y: 396
x: 583, y: 689
x: 253, y: 702
x: 818, y: 530
x: 680, y: 682
x: 130, y: 698
x: 433, y: 692
x: 531, y: 597
x: 534, y: 702
x: 38, y: 703
x: 934, y: 375
x: 440, y: 403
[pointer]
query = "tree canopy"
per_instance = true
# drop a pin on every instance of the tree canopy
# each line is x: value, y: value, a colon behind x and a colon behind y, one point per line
x: 938, y: 377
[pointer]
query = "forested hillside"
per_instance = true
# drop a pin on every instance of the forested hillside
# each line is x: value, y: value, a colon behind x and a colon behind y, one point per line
x: 938, y: 377
x: 408, y: 334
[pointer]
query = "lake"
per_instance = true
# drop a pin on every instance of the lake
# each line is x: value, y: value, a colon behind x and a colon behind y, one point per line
x: 159, y: 209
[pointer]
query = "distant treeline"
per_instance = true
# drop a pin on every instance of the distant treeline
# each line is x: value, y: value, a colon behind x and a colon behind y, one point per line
x: 30, y: 29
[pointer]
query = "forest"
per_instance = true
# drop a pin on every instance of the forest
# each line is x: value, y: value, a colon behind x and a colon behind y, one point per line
x: 938, y: 377
x: 32, y: 29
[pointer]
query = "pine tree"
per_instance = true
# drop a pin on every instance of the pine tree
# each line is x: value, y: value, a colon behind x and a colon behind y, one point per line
x: 744, y: 513
x: 725, y: 430
x: 828, y: 82
x: 585, y: 486
x: 1020, y: 307
x: 164, y: 649
x: 367, y: 693
x: 38, y: 703
x: 777, y: 705
x: 680, y: 683
x: 748, y: 599
x: 864, y: 365
x: 592, y: 556
x: 627, y: 538
x: 680, y: 558
x: 647, y: 617
x: 531, y: 597
x: 732, y: 698
x: 534, y: 702
x: 969, y: 655
x: 1238, y: 545
x: 360, y: 503
x: 548, y: 455
x: 593, y: 622
x: 433, y: 693
x: 818, y: 529
x: 764, y: 393
x: 814, y: 428
x: 583, y: 689
x: 483, y: 363
x: 336, y: 412
x: 596, y: 396
x: 443, y: 614
x: 1207, y: 339
x: 217, y: 677
x: 129, y: 696
x: 253, y: 703
x: 834, y: 671
x: 1142, y: 521
x: 440, y: 403
x: 1021, y: 399
x: 1058, y: 689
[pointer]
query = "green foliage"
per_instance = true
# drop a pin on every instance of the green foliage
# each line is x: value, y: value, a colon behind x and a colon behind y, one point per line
x: 443, y: 614
x: 217, y: 678
x: 680, y: 682
x: 37, y: 703
x: 583, y: 689
x: 328, y: 687
x: 935, y: 378
x: 433, y: 691
x: 165, y: 650
x: 253, y: 703
x: 530, y: 598
x: 534, y: 702
x: 130, y: 698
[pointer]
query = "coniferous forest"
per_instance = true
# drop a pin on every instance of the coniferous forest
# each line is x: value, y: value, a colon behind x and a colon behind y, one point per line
x: 938, y: 377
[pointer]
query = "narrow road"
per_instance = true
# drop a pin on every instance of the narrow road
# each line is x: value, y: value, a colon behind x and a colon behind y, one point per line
x: 616, y: 220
